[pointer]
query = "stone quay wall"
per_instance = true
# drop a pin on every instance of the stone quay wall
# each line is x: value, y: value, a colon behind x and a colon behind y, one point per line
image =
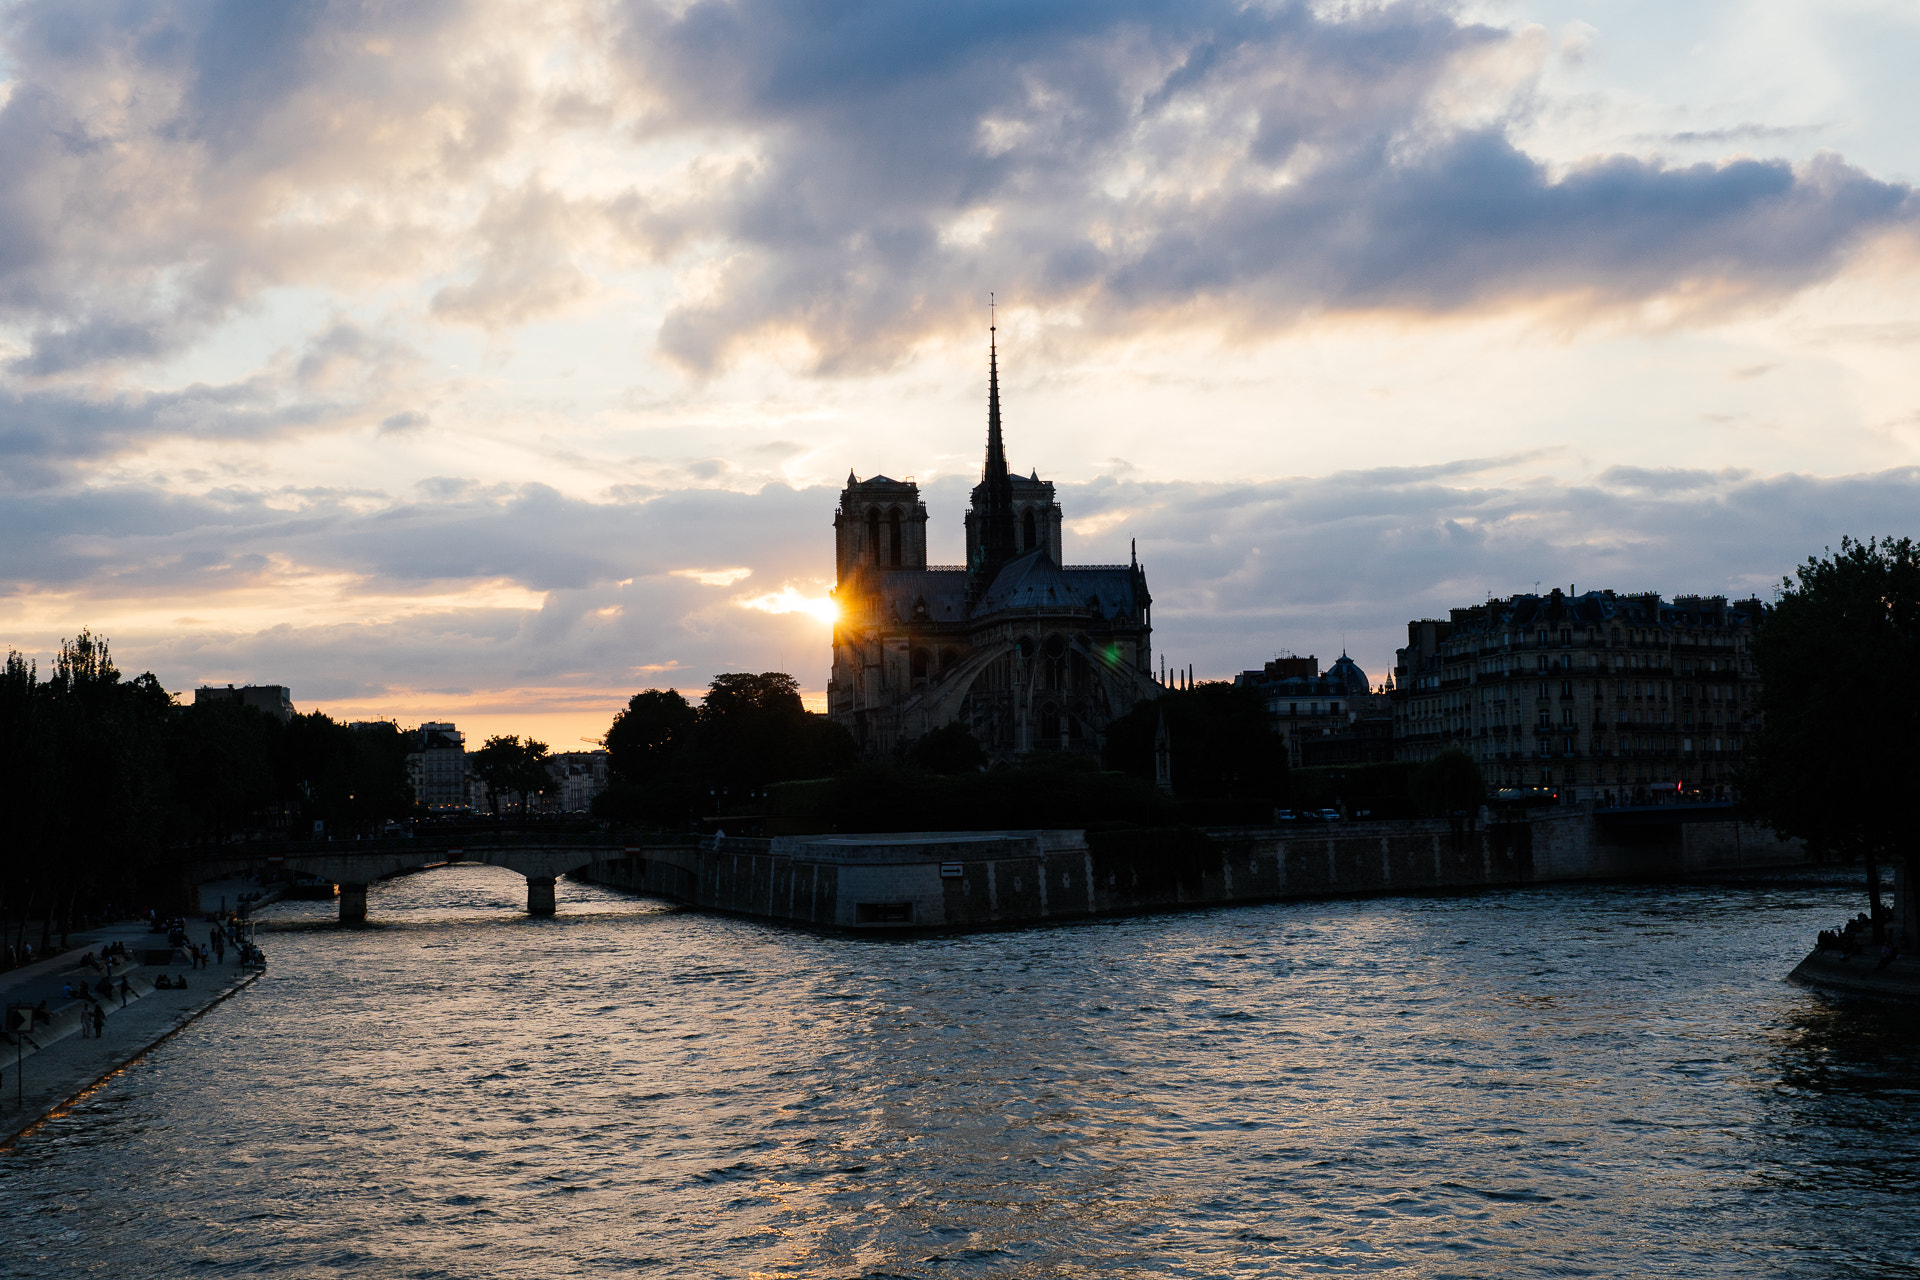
x: 966, y: 880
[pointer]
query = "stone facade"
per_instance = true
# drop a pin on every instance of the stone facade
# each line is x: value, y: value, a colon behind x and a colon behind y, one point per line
x: 1030, y: 654
x: 1594, y: 695
x: 970, y: 880
x: 437, y: 766
x: 1331, y: 717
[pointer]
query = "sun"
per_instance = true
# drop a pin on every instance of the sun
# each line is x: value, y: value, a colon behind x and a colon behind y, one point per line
x: 788, y: 599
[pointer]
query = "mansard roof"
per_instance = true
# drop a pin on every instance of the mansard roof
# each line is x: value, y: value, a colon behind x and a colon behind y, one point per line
x: 1031, y: 582
x: 1034, y: 581
x: 902, y: 593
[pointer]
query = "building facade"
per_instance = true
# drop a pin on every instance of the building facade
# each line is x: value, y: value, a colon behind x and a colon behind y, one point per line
x: 274, y: 699
x: 1595, y: 694
x: 1331, y: 717
x: 578, y: 776
x: 437, y: 766
x: 1029, y: 653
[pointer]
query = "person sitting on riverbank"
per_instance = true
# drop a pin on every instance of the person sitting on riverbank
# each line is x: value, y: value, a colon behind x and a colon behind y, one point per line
x: 179, y: 982
x: 163, y: 983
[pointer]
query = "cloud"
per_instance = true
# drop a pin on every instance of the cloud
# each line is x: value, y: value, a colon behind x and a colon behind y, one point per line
x: 405, y: 420
x: 852, y: 174
x: 167, y: 162
x: 1139, y: 164
x: 527, y: 594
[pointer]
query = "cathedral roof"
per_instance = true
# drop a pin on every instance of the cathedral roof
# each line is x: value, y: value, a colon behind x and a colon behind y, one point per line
x: 1034, y: 581
x: 902, y: 593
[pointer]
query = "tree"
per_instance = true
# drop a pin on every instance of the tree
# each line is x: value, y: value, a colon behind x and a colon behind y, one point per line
x: 530, y: 776
x: 1220, y: 743
x: 672, y: 763
x: 1450, y: 786
x: 511, y: 767
x: 1833, y: 763
x: 753, y: 729
x: 86, y: 781
x: 643, y: 739
x: 497, y: 764
x: 223, y: 756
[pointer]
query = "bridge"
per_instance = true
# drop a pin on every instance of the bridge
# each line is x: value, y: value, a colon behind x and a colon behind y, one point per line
x: 354, y: 864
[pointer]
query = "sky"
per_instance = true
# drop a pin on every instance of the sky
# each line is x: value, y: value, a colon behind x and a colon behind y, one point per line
x: 491, y: 361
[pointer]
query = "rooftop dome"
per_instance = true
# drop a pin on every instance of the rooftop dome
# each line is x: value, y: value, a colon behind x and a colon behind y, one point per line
x: 1346, y: 672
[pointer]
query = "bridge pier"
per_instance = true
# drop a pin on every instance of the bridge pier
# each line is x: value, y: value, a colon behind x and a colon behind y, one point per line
x: 540, y: 896
x: 353, y: 903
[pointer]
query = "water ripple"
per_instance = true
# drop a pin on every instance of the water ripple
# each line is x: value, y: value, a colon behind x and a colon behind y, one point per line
x: 1589, y: 1081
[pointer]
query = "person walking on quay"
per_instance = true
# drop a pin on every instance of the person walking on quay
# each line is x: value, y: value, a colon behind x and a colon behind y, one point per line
x: 99, y: 1023
x: 124, y: 989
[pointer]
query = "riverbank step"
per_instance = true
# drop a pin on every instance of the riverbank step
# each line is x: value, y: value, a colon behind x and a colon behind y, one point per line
x: 1861, y: 974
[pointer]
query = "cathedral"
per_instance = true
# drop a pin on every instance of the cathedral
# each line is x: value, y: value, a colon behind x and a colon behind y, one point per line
x: 1028, y: 653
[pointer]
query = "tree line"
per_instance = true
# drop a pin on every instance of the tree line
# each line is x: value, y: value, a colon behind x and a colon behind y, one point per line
x: 100, y: 776
x: 751, y: 752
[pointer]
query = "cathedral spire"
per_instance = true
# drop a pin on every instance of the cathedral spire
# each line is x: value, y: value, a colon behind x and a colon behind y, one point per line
x: 996, y: 467
x: 993, y: 499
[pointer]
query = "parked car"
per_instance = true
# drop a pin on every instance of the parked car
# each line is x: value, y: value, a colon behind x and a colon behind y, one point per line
x: 1329, y: 815
x: 1285, y: 815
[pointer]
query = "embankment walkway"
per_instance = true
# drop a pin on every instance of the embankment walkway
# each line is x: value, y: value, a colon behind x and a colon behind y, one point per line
x: 55, y: 1064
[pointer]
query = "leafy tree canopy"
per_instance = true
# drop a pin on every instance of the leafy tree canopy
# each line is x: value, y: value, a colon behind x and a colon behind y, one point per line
x: 644, y: 737
x: 1838, y: 657
x: 1449, y: 785
x: 1220, y: 744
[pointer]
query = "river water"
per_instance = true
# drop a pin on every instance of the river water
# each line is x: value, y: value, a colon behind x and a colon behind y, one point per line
x: 1571, y: 1081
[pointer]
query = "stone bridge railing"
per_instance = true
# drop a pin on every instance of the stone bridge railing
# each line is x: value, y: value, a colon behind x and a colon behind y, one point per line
x: 354, y: 864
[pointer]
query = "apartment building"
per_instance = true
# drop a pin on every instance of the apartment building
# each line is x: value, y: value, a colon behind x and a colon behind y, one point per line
x: 1598, y: 694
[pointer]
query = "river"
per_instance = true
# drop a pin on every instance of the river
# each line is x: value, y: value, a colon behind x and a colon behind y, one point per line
x: 1564, y: 1081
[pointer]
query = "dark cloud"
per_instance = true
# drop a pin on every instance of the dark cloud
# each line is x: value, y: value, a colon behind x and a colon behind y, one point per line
x: 44, y: 433
x: 1209, y: 162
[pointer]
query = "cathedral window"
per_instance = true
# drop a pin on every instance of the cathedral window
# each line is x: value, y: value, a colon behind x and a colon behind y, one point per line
x: 1026, y: 526
x: 893, y: 538
x: 873, y: 533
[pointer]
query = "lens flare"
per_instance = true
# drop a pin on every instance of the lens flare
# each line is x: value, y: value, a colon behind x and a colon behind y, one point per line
x: 790, y: 600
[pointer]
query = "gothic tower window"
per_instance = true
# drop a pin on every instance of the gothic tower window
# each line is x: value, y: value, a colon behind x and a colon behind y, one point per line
x: 1026, y: 529
x: 893, y: 538
x: 873, y: 532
